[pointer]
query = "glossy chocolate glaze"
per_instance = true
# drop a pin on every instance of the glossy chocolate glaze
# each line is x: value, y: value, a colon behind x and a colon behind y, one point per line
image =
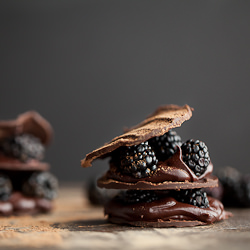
x: 165, y: 212
x: 173, y: 169
x: 19, y: 204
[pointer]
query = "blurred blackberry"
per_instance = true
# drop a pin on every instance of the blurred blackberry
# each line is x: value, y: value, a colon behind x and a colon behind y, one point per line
x: 99, y: 196
x: 165, y: 145
x: 138, y: 161
x: 245, y: 184
x: 195, y: 155
x: 135, y: 196
x: 196, y: 197
x: 41, y: 185
x: 216, y: 192
x: 23, y: 147
x: 230, y: 178
x: 5, y: 188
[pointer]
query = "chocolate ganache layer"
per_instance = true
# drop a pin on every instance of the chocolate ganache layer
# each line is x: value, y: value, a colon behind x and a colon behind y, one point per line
x: 165, y: 212
x: 14, y: 164
x: 170, y: 174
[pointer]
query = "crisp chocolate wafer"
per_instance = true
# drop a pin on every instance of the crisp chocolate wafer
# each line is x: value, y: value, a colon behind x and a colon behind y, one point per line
x: 7, y: 163
x: 160, y: 122
x: 29, y: 122
x: 105, y: 182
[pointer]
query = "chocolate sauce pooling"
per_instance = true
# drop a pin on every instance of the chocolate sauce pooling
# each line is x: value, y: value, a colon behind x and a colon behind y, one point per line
x: 166, y: 209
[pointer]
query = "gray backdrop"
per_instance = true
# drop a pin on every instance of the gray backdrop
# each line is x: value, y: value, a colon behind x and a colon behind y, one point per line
x: 93, y: 67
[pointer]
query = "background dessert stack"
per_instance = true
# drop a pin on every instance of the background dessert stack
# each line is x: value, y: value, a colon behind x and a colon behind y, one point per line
x: 26, y: 185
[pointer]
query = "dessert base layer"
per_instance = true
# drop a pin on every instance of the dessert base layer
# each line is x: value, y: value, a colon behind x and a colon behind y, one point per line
x: 165, y: 212
x: 18, y: 204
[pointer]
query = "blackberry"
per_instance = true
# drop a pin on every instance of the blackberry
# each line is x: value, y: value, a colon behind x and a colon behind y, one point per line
x: 138, y: 161
x: 135, y: 196
x: 196, y: 197
x: 195, y: 155
x: 41, y: 185
x: 216, y: 192
x: 23, y: 147
x: 245, y: 184
x: 99, y: 196
x: 165, y: 145
x: 231, y: 180
x: 5, y: 188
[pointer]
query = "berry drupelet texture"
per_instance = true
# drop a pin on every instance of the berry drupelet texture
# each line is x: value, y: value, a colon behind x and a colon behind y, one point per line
x: 138, y: 161
x: 196, y: 197
x: 42, y: 185
x: 195, y: 155
x: 135, y: 196
x: 5, y: 187
x: 165, y: 145
x: 23, y: 147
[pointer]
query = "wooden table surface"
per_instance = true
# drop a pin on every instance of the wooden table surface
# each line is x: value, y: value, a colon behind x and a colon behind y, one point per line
x: 74, y: 224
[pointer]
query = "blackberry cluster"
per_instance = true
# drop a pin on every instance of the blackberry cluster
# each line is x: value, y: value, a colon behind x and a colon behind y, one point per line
x: 165, y: 145
x: 135, y: 196
x: 138, y: 161
x: 196, y: 197
x: 42, y: 185
x: 195, y: 155
x: 5, y: 188
x: 23, y: 147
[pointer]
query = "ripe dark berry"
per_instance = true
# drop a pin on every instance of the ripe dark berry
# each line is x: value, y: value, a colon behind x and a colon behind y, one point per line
x: 231, y: 180
x: 42, y: 185
x: 5, y: 188
x: 165, y: 145
x: 23, y: 147
x: 99, y: 196
x: 135, y: 196
x: 245, y: 184
x: 138, y: 161
x: 195, y: 155
x: 196, y: 197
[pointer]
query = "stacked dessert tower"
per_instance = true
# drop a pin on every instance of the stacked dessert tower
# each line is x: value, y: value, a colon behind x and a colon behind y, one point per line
x: 161, y: 179
x: 26, y: 186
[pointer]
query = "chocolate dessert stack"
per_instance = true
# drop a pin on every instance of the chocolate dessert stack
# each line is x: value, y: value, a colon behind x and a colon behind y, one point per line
x: 26, y: 186
x: 161, y: 178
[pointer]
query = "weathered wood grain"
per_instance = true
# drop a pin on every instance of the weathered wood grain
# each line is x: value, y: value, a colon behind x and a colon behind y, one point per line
x: 76, y: 225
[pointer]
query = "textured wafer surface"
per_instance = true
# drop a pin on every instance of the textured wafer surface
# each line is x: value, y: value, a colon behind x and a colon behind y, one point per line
x: 29, y: 122
x: 161, y: 121
x: 104, y: 182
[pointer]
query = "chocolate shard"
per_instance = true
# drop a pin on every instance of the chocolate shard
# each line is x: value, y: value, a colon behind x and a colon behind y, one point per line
x: 29, y: 122
x: 160, y: 122
x: 104, y: 182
